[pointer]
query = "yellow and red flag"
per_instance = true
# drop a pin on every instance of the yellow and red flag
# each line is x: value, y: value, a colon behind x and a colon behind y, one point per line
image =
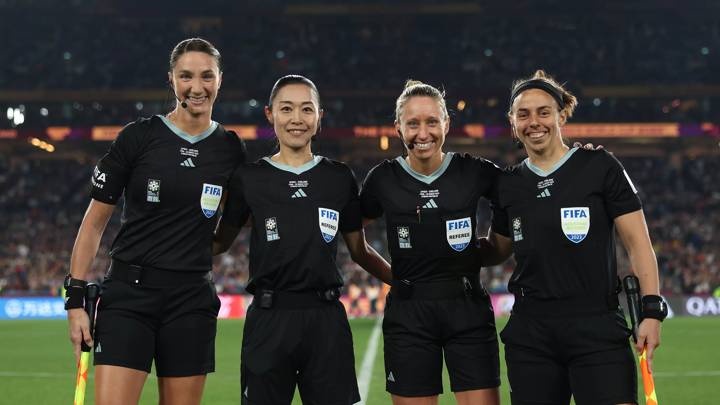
x: 648, y: 382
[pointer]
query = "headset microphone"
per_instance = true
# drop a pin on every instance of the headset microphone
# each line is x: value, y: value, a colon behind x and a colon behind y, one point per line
x: 410, y: 145
x: 183, y: 103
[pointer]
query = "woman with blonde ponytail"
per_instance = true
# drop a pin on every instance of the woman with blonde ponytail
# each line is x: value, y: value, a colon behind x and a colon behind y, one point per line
x: 437, y: 307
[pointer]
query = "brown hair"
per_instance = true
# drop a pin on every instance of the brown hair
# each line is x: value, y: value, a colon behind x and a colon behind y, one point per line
x: 569, y: 101
x: 194, y: 45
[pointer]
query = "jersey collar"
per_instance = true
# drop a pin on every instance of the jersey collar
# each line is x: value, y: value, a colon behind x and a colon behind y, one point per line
x: 296, y: 170
x: 184, y: 135
x: 427, y: 179
x: 542, y: 173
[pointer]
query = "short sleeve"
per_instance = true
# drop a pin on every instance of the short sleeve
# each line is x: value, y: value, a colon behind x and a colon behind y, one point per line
x: 619, y: 191
x: 112, y: 172
x: 369, y: 201
x: 236, y: 211
x: 499, y: 223
x: 240, y: 147
x: 351, y: 214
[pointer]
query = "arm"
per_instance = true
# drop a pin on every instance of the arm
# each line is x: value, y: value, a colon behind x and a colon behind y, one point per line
x: 364, y: 255
x: 634, y: 235
x: 225, y: 235
x: 494, y: 249
x: 83, y: 253
x: 236, y: 212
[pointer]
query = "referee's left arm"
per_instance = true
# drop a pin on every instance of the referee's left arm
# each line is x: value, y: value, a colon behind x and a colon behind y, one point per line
x: 633, y: 232
x: 368, y: 258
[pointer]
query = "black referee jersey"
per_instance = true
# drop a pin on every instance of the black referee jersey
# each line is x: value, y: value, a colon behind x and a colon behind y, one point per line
x: 431, y: 219
x: 561, y: 225
x: 298, y: 214
x: 173, y: 183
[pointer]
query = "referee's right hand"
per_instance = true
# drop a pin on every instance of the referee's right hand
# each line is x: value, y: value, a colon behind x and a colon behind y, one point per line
x: 79, y: 325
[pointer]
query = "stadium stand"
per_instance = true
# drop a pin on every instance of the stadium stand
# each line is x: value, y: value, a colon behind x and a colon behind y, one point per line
x: 40, y: 216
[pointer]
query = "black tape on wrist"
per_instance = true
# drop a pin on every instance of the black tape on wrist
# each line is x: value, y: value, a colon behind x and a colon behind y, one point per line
x: 74, y: 298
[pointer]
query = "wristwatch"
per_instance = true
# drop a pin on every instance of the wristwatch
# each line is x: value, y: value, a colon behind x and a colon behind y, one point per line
x: 655, y: 307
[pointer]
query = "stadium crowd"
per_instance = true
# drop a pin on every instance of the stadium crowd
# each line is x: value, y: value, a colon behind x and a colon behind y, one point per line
x: 361, y: 60
x: 42, y: 203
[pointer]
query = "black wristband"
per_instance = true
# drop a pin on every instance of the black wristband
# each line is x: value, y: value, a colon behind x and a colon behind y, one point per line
x: 654, y: 307
x: 74, y: 297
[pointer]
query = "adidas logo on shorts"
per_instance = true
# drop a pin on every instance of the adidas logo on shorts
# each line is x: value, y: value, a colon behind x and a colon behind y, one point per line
x: 391, y: 377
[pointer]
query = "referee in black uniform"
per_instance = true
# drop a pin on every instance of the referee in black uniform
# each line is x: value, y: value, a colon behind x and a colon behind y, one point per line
x: 296, y: 330
x: 158, y: 300
x: 566, y: 335
x: 436, y: 305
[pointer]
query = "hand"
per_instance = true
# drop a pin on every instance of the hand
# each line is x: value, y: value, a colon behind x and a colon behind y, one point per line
x: 648, y: 338
x: 79, y: 325
x: 587, y: 146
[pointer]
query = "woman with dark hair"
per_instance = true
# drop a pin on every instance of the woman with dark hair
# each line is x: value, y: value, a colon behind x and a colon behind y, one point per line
x: 158, y: 300
x: 567, y: 335
x: 296, y: 330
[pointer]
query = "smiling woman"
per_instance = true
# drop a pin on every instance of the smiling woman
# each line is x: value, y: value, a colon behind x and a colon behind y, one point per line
x: 567, y: 335
x: 436, y: 307
x: 172, y: 171
x: 296, y: 330
x: 294, y: 112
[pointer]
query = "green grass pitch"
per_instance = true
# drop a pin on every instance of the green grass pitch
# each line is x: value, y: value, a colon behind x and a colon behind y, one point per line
x: 37, y: 367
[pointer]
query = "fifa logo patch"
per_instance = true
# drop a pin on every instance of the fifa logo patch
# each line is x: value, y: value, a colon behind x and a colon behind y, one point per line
x: 271, y: 229
x: 458, y: 233
x: 328, y: 220
x: 403, y: 233
x: 517, y: 229
x: 153, y: 190
x: 575, y: 223
x: 210, y: 199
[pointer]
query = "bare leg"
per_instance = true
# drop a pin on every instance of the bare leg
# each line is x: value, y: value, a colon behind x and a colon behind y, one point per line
x: 398, y: 400
x: 115, y: 385
x: 181, y: 390
x: 488, y: 396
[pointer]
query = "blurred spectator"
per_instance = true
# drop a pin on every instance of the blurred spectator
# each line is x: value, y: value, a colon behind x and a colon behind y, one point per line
x: 42, y: 203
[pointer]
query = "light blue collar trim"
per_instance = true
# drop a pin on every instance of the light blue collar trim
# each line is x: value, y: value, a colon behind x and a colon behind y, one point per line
x: 296, y: 170
x: 427, y: 179
x: 542, y: 173
x: 184, y: 135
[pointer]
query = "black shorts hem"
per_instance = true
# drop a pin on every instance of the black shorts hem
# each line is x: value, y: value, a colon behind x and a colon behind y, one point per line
x: 121, y: 363
x: 482, y: 386
x: 410, y: 393
x: 204, y: 371
x: 612, y: 401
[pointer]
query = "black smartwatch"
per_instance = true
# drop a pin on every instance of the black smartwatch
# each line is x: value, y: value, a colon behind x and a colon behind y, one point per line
x: 74, y: 292
x: 655, y: 307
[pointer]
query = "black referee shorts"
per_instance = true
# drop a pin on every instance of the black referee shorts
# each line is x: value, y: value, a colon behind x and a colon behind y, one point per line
x: 309, y: 347
x: 588, y: 357
x: 417, y: 332
x: 174, y: 325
